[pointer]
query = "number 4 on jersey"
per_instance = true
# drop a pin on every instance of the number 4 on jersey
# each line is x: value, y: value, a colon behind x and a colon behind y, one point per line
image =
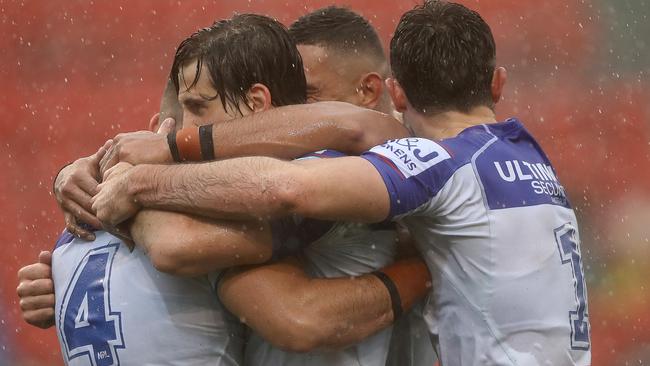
x: 88, y: 327
x: 568, y: 245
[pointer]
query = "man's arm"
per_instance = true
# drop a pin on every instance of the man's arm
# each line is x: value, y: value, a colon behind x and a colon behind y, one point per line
x: 285, y: 132
x: 289, y: 132
x: 186, y: 245
x: 298, y: 313
x: 348, y: 189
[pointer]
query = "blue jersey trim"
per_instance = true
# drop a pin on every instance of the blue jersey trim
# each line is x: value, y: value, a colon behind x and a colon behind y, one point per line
x: 323, y: 154
x: 65, y: 238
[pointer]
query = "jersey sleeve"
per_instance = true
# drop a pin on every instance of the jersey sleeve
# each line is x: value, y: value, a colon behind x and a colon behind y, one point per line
x: 414, y: 170
x: 322, y: 154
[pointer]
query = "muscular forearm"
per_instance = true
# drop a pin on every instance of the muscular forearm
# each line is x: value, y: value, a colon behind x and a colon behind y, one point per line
x: 289, y: 132
x: 302, y: 314
x: 186, y: 245
x: 206, y: 189
x: 263, y: 188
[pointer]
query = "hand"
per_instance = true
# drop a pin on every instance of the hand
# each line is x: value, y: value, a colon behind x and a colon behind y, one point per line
x: 142, y: 147
x: 74, y: 188
x: 114, y: 203
x: 36, y: 292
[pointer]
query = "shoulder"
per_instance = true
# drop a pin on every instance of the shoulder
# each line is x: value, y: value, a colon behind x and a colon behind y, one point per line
x: 415, y: 170
x: 413, y: 156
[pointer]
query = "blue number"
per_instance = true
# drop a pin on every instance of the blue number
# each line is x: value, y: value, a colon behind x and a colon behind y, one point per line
x: 568, y: 245
x: 88, y: 327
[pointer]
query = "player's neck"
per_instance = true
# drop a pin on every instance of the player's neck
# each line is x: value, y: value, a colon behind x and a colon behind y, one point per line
x: 448, y: 124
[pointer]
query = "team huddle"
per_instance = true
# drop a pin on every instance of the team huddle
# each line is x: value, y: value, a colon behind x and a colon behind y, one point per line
x: 301, y: 199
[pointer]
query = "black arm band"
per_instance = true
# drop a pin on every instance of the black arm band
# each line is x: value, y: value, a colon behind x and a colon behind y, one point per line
x: 205, y: 138
x: 395, y: 299
x: 173, y: 148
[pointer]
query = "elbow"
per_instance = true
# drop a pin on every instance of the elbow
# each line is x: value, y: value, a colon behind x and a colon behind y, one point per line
x: 357, y: 138
x: 168, y: 256
x: 287, y: 198
x: 165, y: 260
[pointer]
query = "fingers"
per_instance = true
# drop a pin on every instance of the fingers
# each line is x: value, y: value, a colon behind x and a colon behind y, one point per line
x: 38, y: 287
x: 78, y: 195
x: 45, y: 257
x: 36, y: 292
x: 112, y: 156
x: 35, y: 271
x: 42, y: 318
x: 97, y: 157
x: 103, y: 156
x: 37, y: 302
x: 76, y: 230
x: 80, y: 213
x: 116, y: 168
x: 83, y: 176
x: 109, y: 160
x: 167, y: 126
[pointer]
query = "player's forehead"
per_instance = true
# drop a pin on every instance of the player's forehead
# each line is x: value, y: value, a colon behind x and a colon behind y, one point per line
x: 323, y: 67
x: 194, y: 83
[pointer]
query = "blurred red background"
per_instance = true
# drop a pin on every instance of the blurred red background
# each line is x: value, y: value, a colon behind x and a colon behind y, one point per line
x: 76, y: 73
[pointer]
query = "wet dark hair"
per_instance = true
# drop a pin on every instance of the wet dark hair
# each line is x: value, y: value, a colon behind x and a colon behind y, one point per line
x: 337, y: 28
x: 443, y: 55
x: 242, y: 51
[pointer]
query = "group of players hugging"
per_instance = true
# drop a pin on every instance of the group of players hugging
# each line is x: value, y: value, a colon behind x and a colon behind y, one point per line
x: 301, y: 199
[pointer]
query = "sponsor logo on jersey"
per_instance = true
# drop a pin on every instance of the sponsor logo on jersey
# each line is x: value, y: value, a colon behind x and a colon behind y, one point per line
x: 541, y: 176
x: 412, y: 156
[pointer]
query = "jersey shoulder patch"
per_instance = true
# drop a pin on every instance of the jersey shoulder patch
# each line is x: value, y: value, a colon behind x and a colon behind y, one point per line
x: 411, y: 156
x: 416, y: 169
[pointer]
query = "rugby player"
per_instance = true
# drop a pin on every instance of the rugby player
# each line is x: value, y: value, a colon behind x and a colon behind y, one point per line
x: 487, y: 210
x: 200, y: 86
x: 343, y: 58
x: 344, y: 61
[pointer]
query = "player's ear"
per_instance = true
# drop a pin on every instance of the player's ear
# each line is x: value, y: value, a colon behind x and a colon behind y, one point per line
x: 396, y: 94
x: 498, y: 82
x: 372, y: 86
x: 154, y: 122
x: 259, y: 98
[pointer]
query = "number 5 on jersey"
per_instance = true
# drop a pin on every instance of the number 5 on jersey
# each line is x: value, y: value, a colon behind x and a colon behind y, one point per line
x: 88, y: 327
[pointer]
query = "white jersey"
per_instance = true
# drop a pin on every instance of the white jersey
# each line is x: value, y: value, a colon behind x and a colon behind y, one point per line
x: 347, y: 249
x: 114, y: 308
x: 495, y: 227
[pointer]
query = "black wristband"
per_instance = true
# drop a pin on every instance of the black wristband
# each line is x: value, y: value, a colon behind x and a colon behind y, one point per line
x: 395, y: 299
x: 205, y: 138
x: 173, y: 147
